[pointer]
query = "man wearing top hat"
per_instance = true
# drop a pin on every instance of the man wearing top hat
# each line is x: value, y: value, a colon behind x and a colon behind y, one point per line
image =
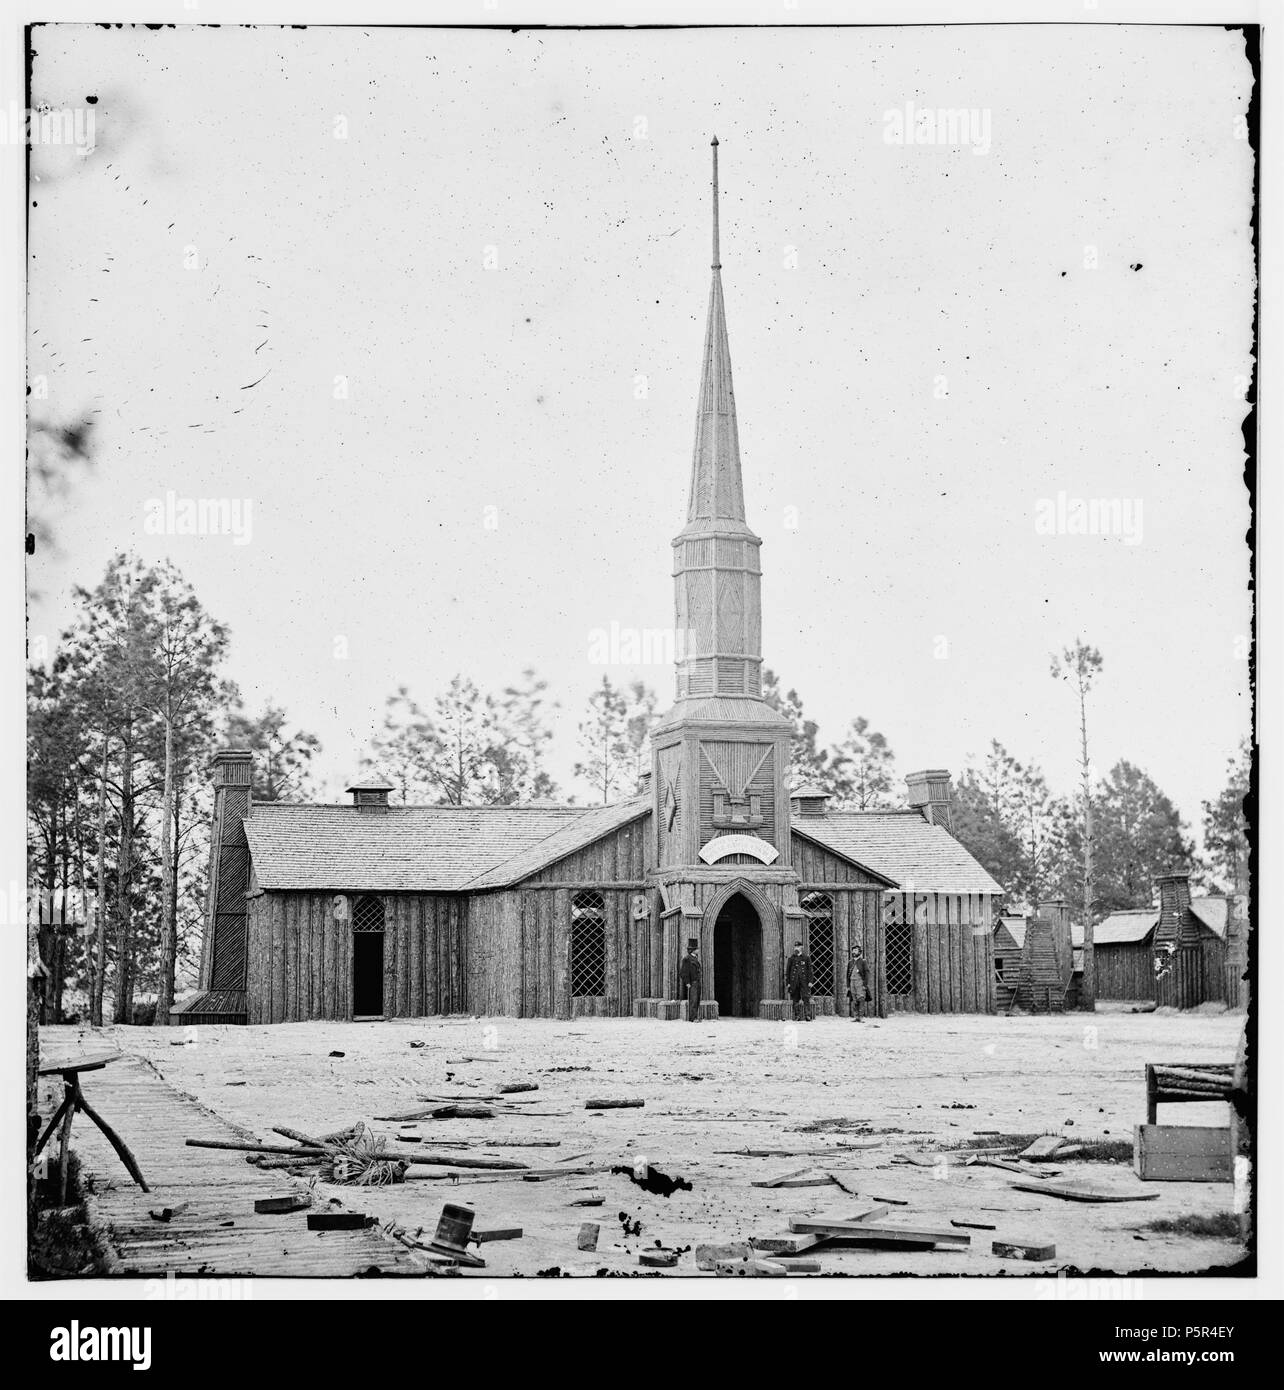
x: 689, y: 980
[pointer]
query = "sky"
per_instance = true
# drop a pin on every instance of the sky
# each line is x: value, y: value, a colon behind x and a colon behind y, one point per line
x: 432, y: 304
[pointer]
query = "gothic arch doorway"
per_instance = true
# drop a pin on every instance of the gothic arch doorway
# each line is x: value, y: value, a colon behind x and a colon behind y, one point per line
x: 737, y: 958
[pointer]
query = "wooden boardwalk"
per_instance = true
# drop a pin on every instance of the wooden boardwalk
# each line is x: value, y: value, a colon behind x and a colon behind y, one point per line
x: 219, y: 1233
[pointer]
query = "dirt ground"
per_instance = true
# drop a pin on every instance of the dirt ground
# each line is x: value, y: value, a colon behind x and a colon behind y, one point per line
x: 914, y: 1084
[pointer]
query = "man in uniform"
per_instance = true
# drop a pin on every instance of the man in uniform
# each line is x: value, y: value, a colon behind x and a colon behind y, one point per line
x: 857, y: 983
x: 689, y: 980
x: 798, y: 982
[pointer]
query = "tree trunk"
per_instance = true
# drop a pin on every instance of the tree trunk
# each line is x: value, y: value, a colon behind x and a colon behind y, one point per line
x: 100, y: 905
x: 1088, y: 993
x: 123, y: 991
x: 168, y: 943
x: 35, y: 974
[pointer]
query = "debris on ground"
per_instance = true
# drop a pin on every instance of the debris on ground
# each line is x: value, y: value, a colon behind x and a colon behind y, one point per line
x: 283, y: 1205
x: 652, y: 1180
x: 1024, y: 1250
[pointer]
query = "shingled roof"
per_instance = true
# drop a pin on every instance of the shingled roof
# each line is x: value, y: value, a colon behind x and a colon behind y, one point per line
x: 1134, y: 925
x: 418, y: 849
x: 901, y: 847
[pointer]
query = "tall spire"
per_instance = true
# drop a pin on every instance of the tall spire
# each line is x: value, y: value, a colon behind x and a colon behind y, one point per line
x: 717, y: 255
x: 717, y: 493
x: 716, y: 565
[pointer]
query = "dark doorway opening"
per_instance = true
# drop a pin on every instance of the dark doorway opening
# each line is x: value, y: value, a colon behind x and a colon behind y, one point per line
x: 737, y: 959
x: 367, y: 959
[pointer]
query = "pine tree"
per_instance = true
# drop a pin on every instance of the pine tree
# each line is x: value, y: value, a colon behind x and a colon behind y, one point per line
x: 1079, y: 666
x: 862, y: 769
x: 607, y: 751
x: 1226, y: 840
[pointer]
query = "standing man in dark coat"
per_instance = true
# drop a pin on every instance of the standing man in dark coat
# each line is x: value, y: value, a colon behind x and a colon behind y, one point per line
x: 798, y: 982
x: 689, y: 981
x: 857, y: 983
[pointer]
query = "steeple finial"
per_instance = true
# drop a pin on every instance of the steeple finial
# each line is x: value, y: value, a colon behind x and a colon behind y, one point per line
x: 717, y: 255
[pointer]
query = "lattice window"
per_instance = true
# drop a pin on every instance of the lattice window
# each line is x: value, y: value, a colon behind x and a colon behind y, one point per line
x: 368, y: 915
x: 588, y: 945
x: 819, y: 908
x: 899, y: 947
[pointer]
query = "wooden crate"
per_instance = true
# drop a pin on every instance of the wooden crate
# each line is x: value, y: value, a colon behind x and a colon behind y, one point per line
x: 1183, y: 1153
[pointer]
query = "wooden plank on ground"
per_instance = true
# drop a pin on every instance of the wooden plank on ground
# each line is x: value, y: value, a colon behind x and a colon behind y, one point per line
x: 875, y: 1231
x: 1081, y: 1192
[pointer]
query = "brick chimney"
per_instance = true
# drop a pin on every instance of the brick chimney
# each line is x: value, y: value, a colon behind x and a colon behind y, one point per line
x: 223, y: 947
x: 931, y: 793
x: 1174, y: 906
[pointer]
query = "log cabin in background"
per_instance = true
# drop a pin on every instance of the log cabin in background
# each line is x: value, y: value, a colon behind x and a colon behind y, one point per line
x: 1181, y: 953
x: 370, y: 910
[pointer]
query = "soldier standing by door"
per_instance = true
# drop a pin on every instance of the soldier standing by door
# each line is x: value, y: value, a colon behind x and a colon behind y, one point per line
x: 798, y: 982
x: 689, y: 981
x: 857, y: 983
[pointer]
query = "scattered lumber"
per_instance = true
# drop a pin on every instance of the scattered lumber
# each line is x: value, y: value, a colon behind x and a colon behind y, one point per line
x: 462, y: 1112
x: 338, y: 1221
x: 658, y: 1259
x: 1029, y: 1169
x: 514, y: 1086
x: 790, y: 1153
x: 527, y: 1174
x: 601, y: 1104
x: 751, y: 1269
x: 947, y: 1158
x: 891, y: 1201
x: 974, y: 1225
x: 288, y: 1162
x: 242, y: 1147
x: 498, y: 1233
x: 873, y: 1231
x: 167, y: 1214
x: 792, y: 1244
x: 783, y: 1177
x: 587, y: 1238
x: 305, y: 1139
x: 455, y: 1161
x: 1023, y: 1250
x: 1081, y: 1192
x: 803, y: 1177
x: 707, y: 1257
x: 459, y: 1061
x: 1044, y: 1146
x: 803, y: 1267
x: 281, y: 1206
x: 587, y: 1202
x: 849, y: 1182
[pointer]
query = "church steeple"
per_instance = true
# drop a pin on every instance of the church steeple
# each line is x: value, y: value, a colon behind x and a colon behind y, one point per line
x: 716, y: 569
x: 717, y: 493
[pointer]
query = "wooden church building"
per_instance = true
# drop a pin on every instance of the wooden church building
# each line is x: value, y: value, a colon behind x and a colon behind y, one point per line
x: 369, y: 910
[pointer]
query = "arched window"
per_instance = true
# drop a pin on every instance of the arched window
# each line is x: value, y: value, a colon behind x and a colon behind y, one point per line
x: 588, y: 945
x: 819, y: 911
